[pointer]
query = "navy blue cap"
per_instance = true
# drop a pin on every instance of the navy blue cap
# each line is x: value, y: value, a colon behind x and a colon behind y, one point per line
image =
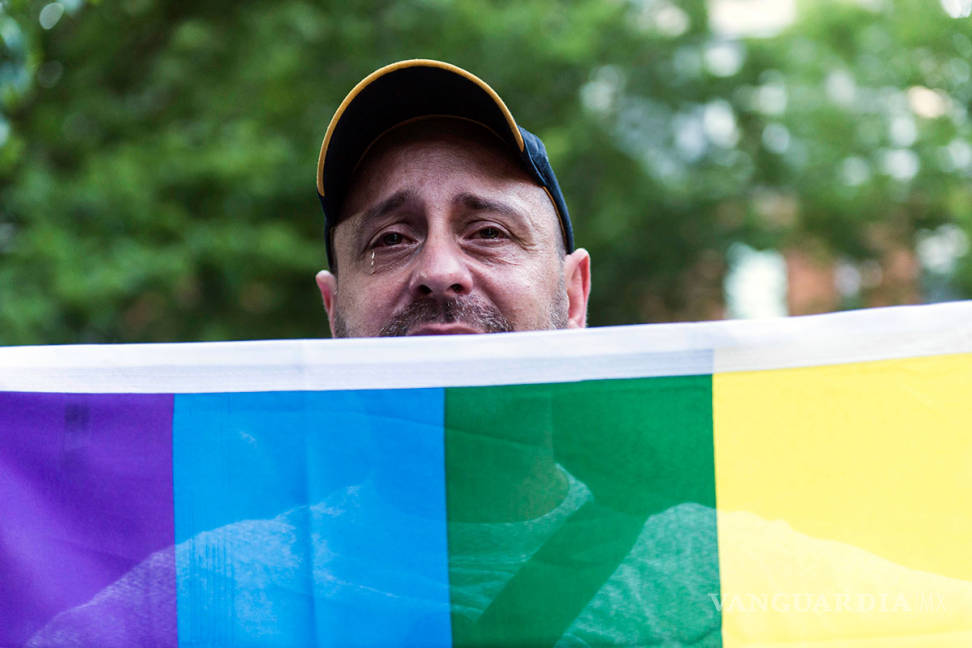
x: 409, y: 90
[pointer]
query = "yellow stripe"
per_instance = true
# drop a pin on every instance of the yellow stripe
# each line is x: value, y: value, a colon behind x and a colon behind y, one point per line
x: 848, y: 480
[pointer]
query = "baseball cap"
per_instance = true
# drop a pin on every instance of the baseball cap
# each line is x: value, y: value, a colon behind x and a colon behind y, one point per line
x: 409, y: 90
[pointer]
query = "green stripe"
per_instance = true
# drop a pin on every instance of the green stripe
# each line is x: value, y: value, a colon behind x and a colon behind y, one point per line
x: 628, y: 555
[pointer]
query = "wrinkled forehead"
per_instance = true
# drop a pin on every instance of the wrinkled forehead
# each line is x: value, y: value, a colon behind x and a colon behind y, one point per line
x: 390, y: 152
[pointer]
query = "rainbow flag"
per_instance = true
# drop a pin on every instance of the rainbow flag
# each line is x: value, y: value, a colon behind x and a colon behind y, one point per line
x: 797, y: 482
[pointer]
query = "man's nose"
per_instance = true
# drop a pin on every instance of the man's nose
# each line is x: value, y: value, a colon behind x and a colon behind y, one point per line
x: 442, y: 271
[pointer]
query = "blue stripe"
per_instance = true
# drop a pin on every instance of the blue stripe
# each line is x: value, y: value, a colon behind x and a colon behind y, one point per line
x: 303, y: 518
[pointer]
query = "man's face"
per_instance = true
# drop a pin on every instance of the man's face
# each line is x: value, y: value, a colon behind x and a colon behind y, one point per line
x: 443, y: 233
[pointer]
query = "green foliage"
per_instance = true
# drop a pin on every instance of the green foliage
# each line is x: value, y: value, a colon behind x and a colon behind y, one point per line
x: 157, y: 158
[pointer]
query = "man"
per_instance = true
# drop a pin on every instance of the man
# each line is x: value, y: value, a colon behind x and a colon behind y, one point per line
x: 442, y: 216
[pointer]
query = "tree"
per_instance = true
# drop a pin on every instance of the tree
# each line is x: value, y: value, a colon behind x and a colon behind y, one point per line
x: 157, y: 172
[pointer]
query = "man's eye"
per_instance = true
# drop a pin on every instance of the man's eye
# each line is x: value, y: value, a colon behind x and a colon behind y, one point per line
x: 489, y: 233
x: 389, y: 239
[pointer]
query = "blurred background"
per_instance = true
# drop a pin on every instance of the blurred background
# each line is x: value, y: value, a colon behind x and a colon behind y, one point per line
x: 720, y: 158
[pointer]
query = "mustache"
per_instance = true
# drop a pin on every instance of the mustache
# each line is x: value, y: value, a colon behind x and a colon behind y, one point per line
x: 425, y: 310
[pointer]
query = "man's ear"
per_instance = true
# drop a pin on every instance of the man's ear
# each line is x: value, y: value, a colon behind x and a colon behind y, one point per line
x: 577, y: 277
x: 327, y: 283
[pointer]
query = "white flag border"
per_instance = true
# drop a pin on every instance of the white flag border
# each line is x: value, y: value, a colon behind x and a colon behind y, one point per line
x: 515, y: 358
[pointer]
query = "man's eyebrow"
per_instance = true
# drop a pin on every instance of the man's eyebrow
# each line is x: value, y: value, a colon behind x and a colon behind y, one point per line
x: 387, y: 205
x: 480, y: 203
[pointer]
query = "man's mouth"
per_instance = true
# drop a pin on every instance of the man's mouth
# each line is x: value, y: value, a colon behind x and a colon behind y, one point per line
x: 442, y: 328
x: 429, y: 316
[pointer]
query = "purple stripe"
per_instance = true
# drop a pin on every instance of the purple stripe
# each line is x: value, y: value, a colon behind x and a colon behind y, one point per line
x: 85, y: 496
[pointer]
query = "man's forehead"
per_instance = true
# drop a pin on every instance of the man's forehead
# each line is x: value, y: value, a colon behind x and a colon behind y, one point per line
x: 448, y: 149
